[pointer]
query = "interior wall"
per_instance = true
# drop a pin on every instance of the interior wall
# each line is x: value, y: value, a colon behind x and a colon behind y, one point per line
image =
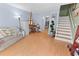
x: 75, y: 18
x: 8, y: 15
x: 64, y: 10
x: 38, y: 19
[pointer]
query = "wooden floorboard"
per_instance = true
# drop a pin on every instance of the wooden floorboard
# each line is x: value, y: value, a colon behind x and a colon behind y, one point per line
x: 37, y: 44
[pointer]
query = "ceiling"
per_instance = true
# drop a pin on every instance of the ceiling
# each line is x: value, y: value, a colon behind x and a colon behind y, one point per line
x: 38, y: 7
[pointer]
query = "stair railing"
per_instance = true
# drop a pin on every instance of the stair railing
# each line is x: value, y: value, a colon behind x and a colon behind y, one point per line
x: 72, y: 25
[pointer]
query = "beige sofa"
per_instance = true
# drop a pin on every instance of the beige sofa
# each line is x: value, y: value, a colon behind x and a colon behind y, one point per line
x: 12, y: 36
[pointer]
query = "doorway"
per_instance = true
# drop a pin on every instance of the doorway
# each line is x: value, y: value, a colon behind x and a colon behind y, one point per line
x: 47, y: 22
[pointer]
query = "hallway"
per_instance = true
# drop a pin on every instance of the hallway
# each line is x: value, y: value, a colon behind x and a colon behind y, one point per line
x: 37, y: 44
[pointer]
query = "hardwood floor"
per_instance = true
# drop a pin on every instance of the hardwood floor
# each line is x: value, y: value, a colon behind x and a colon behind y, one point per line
x: 37, y: 44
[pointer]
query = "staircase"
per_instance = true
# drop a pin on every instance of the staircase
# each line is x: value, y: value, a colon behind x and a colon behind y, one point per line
x: 63, y: 31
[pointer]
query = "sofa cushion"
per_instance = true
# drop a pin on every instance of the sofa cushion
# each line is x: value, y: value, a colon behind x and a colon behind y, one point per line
x: 2, y: 34
x: 7, y: 32
x: 10, y: 30
x: 2, y: 42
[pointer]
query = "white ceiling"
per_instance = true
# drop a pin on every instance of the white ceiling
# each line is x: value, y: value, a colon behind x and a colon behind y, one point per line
x: 38, y: 7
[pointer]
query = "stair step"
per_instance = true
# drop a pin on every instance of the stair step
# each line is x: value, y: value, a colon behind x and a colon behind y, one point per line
x: 63, y: 39
x: 66, y: 34
x: 64, y: 17
x: 64, y: 26
x: 67, y: 38
x: 61, y: 18
x: 63, y: 30
x: 63, y: 22
x: 67, y: 19
x: 67, y: 26
x: 63, y: 35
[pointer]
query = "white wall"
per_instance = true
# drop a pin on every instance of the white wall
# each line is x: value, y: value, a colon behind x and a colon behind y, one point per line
x: 8, y: 16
